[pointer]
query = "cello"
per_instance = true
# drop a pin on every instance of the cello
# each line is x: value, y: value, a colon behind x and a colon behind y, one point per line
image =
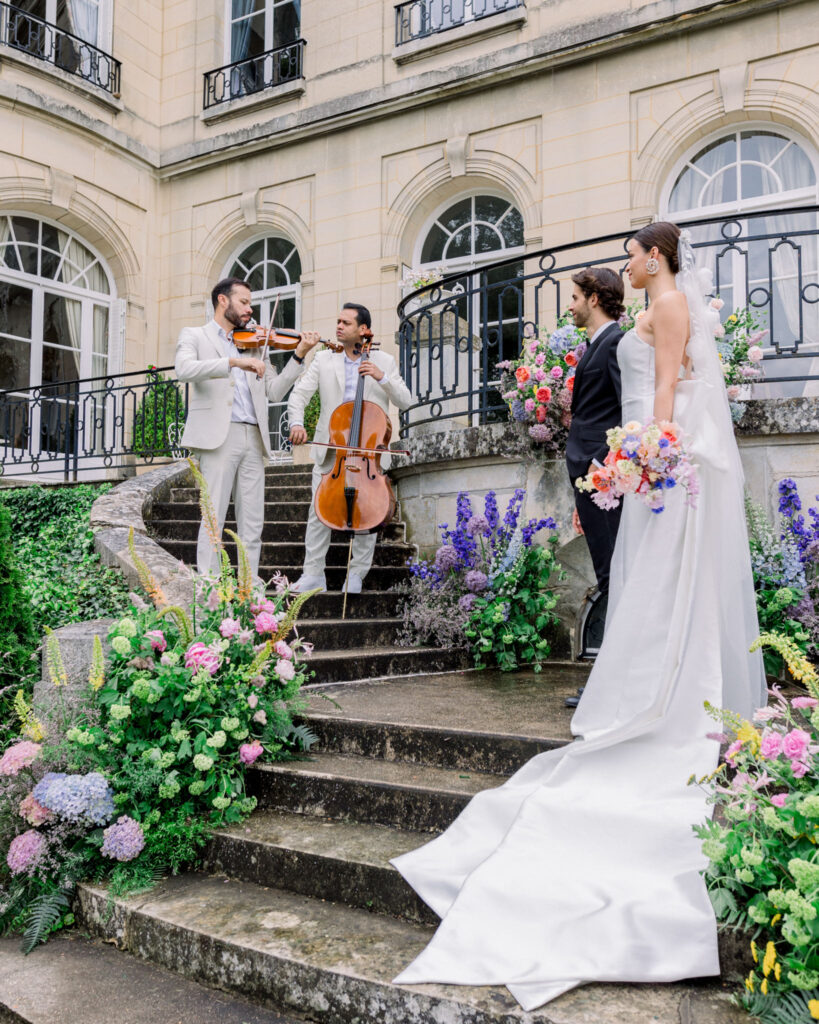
x: 356, y: 495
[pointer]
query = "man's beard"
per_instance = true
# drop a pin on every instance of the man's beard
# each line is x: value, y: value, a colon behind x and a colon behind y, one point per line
x: 234, y: 317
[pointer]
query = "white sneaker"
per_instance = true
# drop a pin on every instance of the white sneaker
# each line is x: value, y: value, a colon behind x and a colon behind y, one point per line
x: 354, y: 583
x: 305, y: 583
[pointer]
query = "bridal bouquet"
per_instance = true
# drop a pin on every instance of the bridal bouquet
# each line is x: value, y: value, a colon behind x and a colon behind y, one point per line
x: 646, y: 460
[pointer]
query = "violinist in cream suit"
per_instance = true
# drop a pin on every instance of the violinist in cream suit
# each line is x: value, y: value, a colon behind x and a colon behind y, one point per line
x: 226, y: 427
x: 335, y: 377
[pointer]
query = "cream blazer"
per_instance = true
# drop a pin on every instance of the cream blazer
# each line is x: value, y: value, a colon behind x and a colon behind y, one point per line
x: 202, y: 363
x: 325, y: 374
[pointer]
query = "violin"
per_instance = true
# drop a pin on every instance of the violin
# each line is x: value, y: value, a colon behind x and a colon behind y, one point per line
x: 356, y: 495
x: 255, y: 336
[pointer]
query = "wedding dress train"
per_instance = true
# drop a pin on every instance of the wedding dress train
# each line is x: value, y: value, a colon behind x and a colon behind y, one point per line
x: 583, y: 866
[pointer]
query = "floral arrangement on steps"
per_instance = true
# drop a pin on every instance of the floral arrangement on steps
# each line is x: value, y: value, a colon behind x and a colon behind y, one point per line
x: 763, y: 873
x: 785, y: 564
x: 486, y: 587
x: 538, y: 386
x: 127, y: 786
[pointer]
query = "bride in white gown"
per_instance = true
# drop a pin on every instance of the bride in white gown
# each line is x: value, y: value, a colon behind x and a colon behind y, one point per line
x: 584, y: 866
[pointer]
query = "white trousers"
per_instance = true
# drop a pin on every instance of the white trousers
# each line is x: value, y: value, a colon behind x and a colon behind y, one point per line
x: 237, y: 465
x: 317, y: 541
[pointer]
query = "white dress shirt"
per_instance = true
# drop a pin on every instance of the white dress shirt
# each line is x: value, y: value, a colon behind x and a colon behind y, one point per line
x: 242, y: 411
x: 351, y: 376
x: 599, y: 331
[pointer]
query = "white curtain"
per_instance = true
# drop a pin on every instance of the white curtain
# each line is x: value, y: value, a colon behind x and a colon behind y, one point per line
x: 84, y: 18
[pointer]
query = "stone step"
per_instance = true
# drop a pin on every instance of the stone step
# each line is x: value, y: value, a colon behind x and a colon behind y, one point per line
x: 356, y: 663
x: 348, y: 862
x: 289, y: 553
x: 272, y: 492
x: 288, y: 472
x: 334, y: 964
x: 336, y: 634
x: 347, y: 787
x: 181, y: 521
x: 71, y: 980
x: 476, y: 721
x: 373, y: 604
x: 380, y: 577
x: 290, y: 511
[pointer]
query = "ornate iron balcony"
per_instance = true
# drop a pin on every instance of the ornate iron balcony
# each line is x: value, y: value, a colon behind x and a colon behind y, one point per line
x: 38, y: 38
x: 421, y: 18
x: 254, y: 74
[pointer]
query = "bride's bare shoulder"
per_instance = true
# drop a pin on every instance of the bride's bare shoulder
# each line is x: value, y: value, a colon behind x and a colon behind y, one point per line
x: 671, y: 303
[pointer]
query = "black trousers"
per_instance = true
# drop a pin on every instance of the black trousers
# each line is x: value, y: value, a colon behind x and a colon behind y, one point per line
x: 600, y: 527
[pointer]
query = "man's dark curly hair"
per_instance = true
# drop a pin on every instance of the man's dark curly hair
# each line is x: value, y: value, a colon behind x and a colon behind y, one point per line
x: 606, y: 285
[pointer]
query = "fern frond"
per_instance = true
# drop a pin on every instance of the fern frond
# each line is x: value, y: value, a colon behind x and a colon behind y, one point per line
x: 209, y: 519
x: 245, y: 572
x: 149, y: 584
x: 45, y: 911
x: 787, y: 1008
x: 182, y: 620
x: 289, y: 620
x: 303, y: 735
x: 96, y: 674
x: 54, y: 659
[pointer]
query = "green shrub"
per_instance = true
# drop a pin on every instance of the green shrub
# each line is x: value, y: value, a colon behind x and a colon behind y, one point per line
x: 311, y: 415
x: 18, y: 638
x: 162, y: 406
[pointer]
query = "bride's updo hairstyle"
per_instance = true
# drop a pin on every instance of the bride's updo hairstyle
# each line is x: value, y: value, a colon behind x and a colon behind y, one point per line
x: 665, y: 236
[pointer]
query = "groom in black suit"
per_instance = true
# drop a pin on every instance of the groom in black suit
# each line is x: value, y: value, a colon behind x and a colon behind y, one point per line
x: 597, y: 304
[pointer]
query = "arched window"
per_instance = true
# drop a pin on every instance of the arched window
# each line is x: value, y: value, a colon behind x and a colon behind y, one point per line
x: 464, y: 235
x: 55, y: 305
x: 272, y: 267
x: 755, y: 170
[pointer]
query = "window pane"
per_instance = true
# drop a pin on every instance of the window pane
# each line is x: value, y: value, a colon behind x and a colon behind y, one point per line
x: 276, y: 277
x: 286, y: 314
x: 761, y: 146
x: 255, y: 279
x: 62, y: 321
x: 487, y: 239
x: 490, y: 208
x: 433, y: 248
x: 460, y: 244
x: 58, y: 365
x: 686, y: 191
x: 252, y: 255
x: 757, y: 181
x: 716, y: 156
x: 26, y: 230
x: 457, y: 215
x: 286, y: 28
x: 511, y: 227
x: 721, y: 189
x: 278, y: 249
x: 8, y: 256
x: 247, y: 37
x: 293, y: 267
x: 15, y: 364
x: 28, y: 256
x: 241, y: 8
x: 15, y: 312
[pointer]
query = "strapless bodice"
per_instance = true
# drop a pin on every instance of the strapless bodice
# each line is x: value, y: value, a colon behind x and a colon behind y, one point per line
x: 636, y: 361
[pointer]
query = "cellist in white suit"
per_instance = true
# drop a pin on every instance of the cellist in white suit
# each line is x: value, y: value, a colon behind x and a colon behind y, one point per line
x: 226, y: 427
x: 335, y: 377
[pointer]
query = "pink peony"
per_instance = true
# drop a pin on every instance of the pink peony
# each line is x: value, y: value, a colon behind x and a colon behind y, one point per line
x: 717, y: 304
x: 229, y: 628
x: 19, y: 755
x: 771, y: 745
x: 25, y: 852
x: 245, y: 636
x: 265, y: 622
x: 733, y: 750
x: 799, y: 769
x: 540, y: 359
x: 265, y: 605
x: 795, y: 743
x: 733, y: 391
x: 529, y: 405
x: 779, y: 799
x: 260, y: 717
x: 556, y: 372
x: 284, y: 669
x: 283, y: 650
x: 249, y: 752
x: 157, y: 638
x: 540, y: 374
x: 200, y: 656
x: 804, y: 702
x: 755, y: 354
x: 34, y: 813
x: 252, y: 700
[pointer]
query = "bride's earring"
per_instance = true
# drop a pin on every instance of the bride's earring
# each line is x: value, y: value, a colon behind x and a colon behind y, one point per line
x: 652, y: 265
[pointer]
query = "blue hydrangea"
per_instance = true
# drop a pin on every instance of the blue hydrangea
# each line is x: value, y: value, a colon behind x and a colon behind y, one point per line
x: 84, y: 799
x: 123, y: 841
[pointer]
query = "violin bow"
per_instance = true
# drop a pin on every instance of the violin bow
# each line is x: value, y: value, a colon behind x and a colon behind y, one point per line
x: 371, y: 451
x: 269, y: 330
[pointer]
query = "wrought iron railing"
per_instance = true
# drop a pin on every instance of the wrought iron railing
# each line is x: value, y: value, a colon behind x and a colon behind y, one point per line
x: 453, y: 333
x: 38, y: 38
x: 254, y: 74
x: 421, y: 18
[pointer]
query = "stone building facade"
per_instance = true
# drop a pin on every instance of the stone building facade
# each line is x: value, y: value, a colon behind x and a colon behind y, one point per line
x: 323, y: 148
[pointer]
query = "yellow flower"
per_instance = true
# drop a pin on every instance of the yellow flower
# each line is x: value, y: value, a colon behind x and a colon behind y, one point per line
x: 763, y: 988
x: 748, y: 734
x: 731, y: 319
x: 813, y: 1007
x: 749, y: 982
x: 777, y: 970
x: 754, y: 952
x: 775, y: 918
x: 770, y: 959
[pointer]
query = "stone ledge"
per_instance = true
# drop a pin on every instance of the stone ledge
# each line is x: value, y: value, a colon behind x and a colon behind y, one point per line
x: 126, y: 506
x: 779, y: 416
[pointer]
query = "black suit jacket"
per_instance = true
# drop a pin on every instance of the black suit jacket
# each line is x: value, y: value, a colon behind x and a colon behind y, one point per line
x: 595, y: 402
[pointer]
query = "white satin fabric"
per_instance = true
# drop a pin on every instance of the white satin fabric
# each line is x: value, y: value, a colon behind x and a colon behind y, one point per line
x: 583, y: 866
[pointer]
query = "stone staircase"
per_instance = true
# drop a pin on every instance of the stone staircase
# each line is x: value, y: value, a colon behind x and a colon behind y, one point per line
x: 362, y: 646
x: 298, y: 908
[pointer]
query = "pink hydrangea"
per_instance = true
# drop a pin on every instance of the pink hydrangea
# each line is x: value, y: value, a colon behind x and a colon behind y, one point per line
x: 778, y: 800
x: 25, y: 852
x: 249, y: 752
x: 283, y: 650
x: 200, y: 656
x: 529, y: 405
x: 795, y: 743
x: 157, y: 638
x: 33, y: 812
x: 804, y: 702
x: 252, y: 700
x: 771, y: 745
x: 556, y: 372
x: 229, y: 628
x: 265, y: 622
x: 19, y: 755
x: 284, y: 669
